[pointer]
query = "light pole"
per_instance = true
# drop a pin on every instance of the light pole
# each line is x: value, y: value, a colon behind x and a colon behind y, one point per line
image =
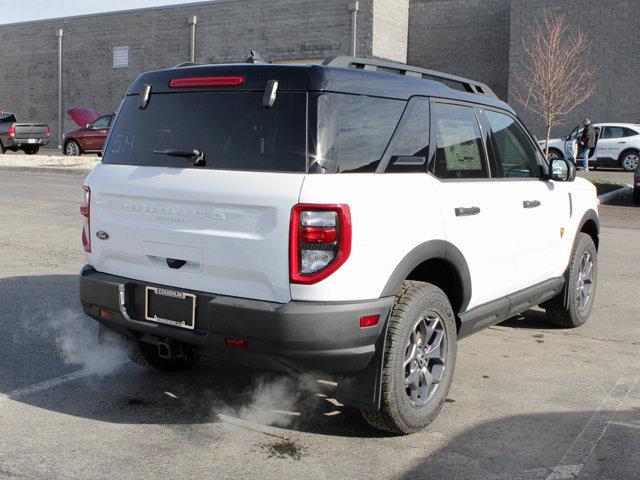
x: 59, y: 34
x: 193, y: 20
x: 353, y: 8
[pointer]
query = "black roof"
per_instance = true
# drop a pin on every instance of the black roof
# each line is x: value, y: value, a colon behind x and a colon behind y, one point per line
x: 322, y: 78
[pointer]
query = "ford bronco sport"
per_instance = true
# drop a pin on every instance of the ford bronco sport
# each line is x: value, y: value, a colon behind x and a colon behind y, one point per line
x: 354, y: 218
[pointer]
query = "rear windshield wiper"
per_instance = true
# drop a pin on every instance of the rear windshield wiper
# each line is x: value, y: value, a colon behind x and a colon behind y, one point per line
x: 197, y: 155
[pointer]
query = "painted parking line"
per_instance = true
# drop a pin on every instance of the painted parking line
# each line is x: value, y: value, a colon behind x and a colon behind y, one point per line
x: 585, y: 443
x: 47, y: 384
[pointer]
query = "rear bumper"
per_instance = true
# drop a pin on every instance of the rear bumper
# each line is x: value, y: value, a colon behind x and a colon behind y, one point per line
x: 13, y: 142
x: 294, y: 336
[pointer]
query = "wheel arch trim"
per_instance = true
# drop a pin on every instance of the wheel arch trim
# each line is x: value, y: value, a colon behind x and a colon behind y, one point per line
x: 432, y: 250
x: 590, y: 216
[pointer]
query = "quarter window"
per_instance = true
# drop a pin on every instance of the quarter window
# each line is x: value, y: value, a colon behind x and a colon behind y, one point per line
x: 410, y: 145
x: 459, y: 150
x: 352, y: 132
x: 515, y: 154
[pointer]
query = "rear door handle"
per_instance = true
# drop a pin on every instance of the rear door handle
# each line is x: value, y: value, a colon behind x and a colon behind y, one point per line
x: 622, y: 142
x: 466, y: 211
x: 531, y: 203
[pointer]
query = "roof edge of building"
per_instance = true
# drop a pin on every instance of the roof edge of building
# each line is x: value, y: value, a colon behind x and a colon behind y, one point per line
x: 115, y: 12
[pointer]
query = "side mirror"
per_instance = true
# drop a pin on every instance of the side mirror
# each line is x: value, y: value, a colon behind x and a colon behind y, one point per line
x: 562, y: 170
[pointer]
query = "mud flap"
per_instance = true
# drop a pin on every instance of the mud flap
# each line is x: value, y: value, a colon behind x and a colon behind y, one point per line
x: 561, y: 300
x: 364, y: 389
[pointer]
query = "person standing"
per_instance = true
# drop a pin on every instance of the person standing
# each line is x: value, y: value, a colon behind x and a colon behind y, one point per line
x: 587, y: 142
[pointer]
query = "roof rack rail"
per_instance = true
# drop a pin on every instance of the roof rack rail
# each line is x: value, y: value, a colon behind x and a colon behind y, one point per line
x: 470, y: 86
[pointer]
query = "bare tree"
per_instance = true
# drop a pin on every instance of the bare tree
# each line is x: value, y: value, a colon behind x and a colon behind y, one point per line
x: 554, y: 77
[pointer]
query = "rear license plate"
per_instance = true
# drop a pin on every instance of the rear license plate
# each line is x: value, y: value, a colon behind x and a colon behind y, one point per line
x: 170, y: 307
x: 32, y: 140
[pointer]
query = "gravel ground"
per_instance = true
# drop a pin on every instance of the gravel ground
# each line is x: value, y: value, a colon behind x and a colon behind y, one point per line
x: 40, y: 161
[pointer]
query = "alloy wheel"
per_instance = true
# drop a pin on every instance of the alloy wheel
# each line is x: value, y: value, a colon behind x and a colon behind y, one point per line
x: 72, y: 149
x: 584, y: 285
x: 630, y: 161
x: 425, y: 358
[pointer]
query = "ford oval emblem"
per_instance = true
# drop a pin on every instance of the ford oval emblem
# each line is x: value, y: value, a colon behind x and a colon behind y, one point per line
x: 102, y: 235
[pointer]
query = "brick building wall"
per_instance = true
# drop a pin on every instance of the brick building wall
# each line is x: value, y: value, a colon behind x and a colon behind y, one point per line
x: 479, y: 39
x: 464, y: 37
x: 614, y: 30
x: 158, y: 38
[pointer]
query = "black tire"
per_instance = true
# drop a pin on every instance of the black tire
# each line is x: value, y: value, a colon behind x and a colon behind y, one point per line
x: 578, y: 311
x: 555, y: 153
x: 636, y: 195
x: 626, y: 162
x: 72, y: 149
x: 415, y: 302
x: 146, y: 355
x: 30, y: 150
x: 2, y: 148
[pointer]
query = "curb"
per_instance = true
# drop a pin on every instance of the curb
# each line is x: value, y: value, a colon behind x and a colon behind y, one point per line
x: 607, y: 197
x: 83, y: 172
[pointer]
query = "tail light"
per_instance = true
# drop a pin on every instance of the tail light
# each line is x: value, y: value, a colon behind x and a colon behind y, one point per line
x: 319, y: 242
x: 85, y: 211
x: 47, y: 131
x: 12, y: 130
x: 206, y: 82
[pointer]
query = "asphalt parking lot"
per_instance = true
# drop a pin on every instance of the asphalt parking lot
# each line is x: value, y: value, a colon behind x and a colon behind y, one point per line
x: 529, y: 401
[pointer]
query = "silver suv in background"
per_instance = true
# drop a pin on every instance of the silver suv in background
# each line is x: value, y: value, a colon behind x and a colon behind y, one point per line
x: 618, y: 145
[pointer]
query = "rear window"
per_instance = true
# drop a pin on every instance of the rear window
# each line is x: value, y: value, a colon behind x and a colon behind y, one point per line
x: 7, y: 117
x: 351, y: 132
x: 233, y: 129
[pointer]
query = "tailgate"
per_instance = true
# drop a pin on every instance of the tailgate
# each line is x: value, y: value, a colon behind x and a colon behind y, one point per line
x: 229, y: 230
x: 30, y: 130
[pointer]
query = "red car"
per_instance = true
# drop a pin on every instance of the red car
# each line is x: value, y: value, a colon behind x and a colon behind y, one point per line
x: 91, y: 135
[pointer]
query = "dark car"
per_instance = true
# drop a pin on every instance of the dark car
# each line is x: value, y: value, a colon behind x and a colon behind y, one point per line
x: 91, y: 135
x: 28, y: 137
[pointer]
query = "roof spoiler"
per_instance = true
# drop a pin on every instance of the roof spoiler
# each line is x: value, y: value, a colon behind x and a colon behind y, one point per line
x: 254, y: 57
x: 470, y: 86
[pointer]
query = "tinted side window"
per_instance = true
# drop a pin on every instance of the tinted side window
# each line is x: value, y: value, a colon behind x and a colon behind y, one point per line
x: 516, y: 155
x: 459, y: 150
x: 628, y: 132
x: 102, y: 122
x: 410, y: 145
x: 613, y: 132
x: 573, y: 134
x: 9, y: 118
x: 352, y: 132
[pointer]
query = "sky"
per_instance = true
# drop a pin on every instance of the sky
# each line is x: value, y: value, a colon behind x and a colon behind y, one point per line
x: 12, y: 11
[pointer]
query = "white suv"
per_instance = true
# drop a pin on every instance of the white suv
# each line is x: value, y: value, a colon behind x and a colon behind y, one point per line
x: 354, y: 218
x: 618, y: 144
